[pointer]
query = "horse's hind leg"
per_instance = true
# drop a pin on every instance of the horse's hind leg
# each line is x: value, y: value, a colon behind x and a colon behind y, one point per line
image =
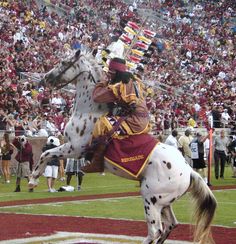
x: 153, y: 216
x: 169, y: 222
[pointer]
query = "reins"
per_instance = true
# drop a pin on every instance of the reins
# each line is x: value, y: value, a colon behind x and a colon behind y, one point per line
x: 57, y: 87
x: 70, y: 81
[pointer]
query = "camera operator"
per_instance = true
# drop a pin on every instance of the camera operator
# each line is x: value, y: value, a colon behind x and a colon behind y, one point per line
x: 24, y: 158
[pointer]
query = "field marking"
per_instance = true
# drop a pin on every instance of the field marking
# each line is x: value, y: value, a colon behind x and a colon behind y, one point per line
x: 92, y: 200
x: 10, y: 194
x: 76, y: 237
x: 3, y: 195
x: 109, y: 218
x: 111, y: 199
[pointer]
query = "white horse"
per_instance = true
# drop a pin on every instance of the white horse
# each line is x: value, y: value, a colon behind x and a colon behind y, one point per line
x: 166, y: 177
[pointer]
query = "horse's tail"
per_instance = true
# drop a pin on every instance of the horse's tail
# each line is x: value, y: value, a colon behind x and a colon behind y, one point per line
x: 205, y: 203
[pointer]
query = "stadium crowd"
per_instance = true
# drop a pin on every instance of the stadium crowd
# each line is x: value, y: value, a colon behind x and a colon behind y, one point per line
x: 189, y: 67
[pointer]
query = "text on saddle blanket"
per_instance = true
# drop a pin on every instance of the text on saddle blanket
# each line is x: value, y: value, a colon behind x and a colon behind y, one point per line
x: 131, y: 154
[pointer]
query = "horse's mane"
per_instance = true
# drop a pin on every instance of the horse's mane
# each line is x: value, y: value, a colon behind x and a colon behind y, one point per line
x: 91, y: 59
x: 94, y: 63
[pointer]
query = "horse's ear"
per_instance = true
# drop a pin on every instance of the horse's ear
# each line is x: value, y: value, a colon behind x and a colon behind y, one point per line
x: 77, y: 53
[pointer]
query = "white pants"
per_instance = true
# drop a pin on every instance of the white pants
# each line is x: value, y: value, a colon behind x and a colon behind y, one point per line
x: 51, y: 171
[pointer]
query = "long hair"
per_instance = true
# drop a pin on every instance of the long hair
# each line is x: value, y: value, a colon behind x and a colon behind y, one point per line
x: 124, y: 77
x: 121, y: 76
x: 7, y: 140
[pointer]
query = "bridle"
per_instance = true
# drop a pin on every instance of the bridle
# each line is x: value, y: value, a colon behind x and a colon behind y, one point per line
x: 53, y: 81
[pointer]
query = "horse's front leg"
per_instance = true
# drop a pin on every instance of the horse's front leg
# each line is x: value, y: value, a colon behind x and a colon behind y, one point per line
x: 61, y: 152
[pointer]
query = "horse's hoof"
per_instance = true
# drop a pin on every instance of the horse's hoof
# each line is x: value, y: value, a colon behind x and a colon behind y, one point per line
x: 33, y: 183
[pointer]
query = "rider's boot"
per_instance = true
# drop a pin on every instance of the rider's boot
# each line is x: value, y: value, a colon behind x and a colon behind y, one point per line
x: 97, y: 161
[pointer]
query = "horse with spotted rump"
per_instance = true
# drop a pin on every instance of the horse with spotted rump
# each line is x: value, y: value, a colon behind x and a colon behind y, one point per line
x: 166, y: 176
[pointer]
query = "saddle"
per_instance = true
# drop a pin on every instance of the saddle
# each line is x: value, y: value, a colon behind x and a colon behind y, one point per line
x: 95, y: 152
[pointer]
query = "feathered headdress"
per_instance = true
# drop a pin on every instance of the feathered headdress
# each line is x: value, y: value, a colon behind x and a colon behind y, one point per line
x: 131, y: 46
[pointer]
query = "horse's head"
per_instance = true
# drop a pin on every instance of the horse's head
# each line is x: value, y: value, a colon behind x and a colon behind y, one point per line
x: 72, y: 68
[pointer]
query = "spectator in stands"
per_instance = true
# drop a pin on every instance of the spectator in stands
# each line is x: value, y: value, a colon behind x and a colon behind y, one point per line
x: 3, y: 123
x: 216, y: 115
x: 10, y: 126
x: 57, y: 100
x: 199, y: 58
x: 225, y: 118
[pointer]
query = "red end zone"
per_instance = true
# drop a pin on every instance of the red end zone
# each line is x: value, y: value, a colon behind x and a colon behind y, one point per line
x: 15, y: 226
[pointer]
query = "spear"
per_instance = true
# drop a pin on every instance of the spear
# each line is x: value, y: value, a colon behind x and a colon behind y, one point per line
x: 135, y: 38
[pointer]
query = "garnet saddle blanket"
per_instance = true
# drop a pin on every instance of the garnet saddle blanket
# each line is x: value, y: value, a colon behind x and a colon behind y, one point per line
x: 131, y: 153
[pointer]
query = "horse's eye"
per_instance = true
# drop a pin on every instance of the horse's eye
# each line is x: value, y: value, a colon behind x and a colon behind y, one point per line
x: 63, y: 63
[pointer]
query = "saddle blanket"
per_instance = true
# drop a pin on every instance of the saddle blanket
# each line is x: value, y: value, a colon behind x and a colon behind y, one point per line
x: 131, y: 154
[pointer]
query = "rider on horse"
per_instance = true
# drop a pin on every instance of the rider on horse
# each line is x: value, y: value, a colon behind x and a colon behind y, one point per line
x: 127, y: 115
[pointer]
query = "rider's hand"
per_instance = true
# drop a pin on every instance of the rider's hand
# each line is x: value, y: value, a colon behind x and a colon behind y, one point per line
x: 104, y: 82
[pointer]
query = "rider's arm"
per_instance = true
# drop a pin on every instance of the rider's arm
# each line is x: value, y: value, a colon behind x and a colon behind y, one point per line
x: 102, y: 94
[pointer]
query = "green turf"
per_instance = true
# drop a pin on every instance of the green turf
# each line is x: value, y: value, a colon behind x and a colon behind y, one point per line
x: 131, y: 208
x: 128, y: 208
x: 92, y: 184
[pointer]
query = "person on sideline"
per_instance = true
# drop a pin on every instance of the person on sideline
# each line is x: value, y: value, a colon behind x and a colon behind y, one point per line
x: 184, y: 145
x: 232, y: 154
x: 172, y: 139
x: 61, y: 167
x: 24, y: 158
x: 51, y: 170
x: 6, y: 151
x: 197, y: 149
x: 220, y: 144
x: 73, y: 168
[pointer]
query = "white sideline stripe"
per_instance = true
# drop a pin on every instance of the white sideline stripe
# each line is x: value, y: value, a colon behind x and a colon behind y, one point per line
x: 92, y: 188
x: 220, y: 190
x: 72, y: 237
x: 85, y: 188
x: 92, y: 200
x: 75, y: 201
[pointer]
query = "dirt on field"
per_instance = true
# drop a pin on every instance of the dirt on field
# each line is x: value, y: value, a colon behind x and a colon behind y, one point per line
x: 15, y: 226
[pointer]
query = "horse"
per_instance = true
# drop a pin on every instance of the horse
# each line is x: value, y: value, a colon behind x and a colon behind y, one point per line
x: 166, y: 176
